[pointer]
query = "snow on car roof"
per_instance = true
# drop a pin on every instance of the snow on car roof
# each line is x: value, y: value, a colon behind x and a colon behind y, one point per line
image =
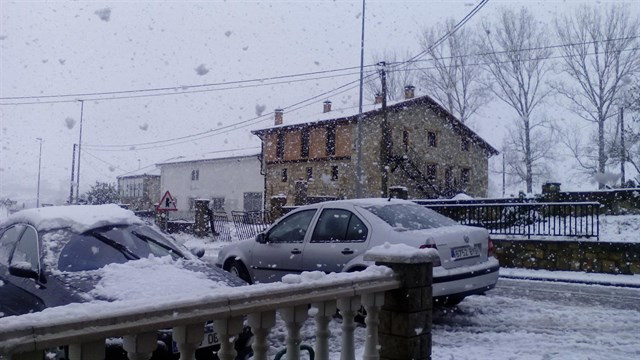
x: 371, y: 202
x: 78, y: 218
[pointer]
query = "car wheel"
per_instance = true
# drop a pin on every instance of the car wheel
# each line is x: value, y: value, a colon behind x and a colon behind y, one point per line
x: 238, y: 269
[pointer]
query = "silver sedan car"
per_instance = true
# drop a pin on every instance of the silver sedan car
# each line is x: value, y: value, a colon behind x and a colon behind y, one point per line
x: 333, y: 237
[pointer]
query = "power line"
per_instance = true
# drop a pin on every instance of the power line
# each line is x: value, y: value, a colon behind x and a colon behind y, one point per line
x: 218, y: 131
x: 185, y: 87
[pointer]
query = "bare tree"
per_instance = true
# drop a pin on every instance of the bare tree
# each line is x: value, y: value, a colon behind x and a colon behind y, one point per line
x: 453, y: 76
x: 600, y: 54
x: 541, y: 139
x: 399, y: 75
x: 515, y: 55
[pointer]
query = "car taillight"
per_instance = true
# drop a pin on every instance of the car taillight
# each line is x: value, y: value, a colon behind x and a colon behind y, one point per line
x: 490, y: 247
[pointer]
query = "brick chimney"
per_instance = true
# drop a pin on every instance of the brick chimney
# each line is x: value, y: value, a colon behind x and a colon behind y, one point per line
x: 409, y: 92
x: 327, y: 106
x: 278, y: 116
x: 378, y: 99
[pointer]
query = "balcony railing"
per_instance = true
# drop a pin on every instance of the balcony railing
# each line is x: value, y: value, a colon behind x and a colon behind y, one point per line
x: 85, y: 327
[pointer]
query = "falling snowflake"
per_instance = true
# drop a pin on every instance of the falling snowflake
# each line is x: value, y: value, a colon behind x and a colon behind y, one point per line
x: 245, y: 48
x: 260, y: 109
x: 62, y: 61
x: 201, y: 70
x: 112, y: 168
x: 104, y: 14
x: 70, y: 122
x: 227, y: 33
x: 144, y: 127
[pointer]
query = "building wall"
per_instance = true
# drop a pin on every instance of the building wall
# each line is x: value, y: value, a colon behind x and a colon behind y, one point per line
x: 417, y: 119
x: 220, y: 178
x: 139, y: 192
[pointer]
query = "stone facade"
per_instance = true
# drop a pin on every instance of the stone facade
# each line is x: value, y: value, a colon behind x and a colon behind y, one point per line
x: 317, y: 159
x: 588, y: 256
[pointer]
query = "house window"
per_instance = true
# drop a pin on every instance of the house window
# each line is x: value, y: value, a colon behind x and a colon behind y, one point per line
x: 252, y: 201
x: 283, y: 176
x: 309, y: 174
x: 405, y: 140
x: 465, y: 175
x: 195, y: 175
x: 334, y: 173
x: 304, y: 144
x: 432, y: 139
x: 280, y: 146
x: 432, y: 172
x: 448, y: 177
x: 331, y: 140
x: 464, y: 145
x: 217, y: 204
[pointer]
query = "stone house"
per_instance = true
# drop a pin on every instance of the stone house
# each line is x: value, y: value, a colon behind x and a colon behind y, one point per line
x: 413, y: 143
x: 140, y: 190
x: 231, y: 180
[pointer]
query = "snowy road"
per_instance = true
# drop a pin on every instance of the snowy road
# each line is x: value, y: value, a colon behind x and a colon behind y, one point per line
x: 541, y: 320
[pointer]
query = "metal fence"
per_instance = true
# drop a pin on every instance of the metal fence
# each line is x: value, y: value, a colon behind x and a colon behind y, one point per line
x: 579, y: 219
x: 250, y: 223
x: 221, y: 226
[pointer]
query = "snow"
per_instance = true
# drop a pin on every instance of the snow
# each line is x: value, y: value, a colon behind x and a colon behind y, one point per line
x: 462, y: 196
x: 201, y: 70
x: 130, y: 281
x: 400, y: 253
x: 572, y: 276
x: 78, y: 218
x: 104, y: 14
x: 214, y: 155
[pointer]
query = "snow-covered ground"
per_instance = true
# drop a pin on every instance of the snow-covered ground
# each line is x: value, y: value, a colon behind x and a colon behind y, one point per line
x: 620, y: 228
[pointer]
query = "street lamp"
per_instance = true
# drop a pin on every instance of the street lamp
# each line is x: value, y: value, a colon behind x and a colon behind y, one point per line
x: 39, y: 166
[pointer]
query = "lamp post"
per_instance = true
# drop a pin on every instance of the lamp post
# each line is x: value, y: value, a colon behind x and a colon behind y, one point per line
x: 39, y: 166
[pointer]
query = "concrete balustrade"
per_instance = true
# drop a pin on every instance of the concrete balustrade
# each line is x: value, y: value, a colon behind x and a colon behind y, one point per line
x: 396, y: 303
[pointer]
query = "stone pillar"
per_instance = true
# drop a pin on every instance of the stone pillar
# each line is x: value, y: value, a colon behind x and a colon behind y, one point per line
x: 201, y: 226
x: 405, y: 317
x: 277, y: 202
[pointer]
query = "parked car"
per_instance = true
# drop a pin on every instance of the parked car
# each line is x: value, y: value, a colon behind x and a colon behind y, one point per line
x: 333, y: 237
x: 56, y: 256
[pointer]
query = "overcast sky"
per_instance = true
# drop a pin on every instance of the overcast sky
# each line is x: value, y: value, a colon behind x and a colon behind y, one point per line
x: 53, y: 48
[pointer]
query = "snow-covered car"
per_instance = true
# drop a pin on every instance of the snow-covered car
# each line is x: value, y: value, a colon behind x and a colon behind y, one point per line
x: 333, y: 237
x: 55, y: 256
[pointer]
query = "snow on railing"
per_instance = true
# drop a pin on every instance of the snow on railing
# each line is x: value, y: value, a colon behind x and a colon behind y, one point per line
x: 85, y: 327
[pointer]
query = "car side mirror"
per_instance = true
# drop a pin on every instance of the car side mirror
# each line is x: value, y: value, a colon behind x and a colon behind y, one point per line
x: 24, y: 270
x: 261, y: 238
x: 198, y: 252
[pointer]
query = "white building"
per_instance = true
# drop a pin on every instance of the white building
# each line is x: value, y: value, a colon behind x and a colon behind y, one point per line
x: 231, y: 180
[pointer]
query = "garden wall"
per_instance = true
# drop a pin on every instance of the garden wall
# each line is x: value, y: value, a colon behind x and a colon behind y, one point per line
x: 588, y: 256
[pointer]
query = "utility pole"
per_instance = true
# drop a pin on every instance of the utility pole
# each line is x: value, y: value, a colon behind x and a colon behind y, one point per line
x: 39, y: 167
x: 623, y: 151
x: 358, y: 188
x: 73, y: 168
x: 79, y: 150
x: 386, y: 145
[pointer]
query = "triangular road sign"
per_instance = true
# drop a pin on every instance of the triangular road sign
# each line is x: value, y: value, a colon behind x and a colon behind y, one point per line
x: 167, y: 203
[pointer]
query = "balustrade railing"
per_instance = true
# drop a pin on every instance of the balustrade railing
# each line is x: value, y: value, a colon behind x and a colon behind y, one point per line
x: 84, y: 328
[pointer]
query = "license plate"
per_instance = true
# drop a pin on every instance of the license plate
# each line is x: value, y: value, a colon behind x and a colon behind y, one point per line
x: 210, y: 338
x: 465, y: 252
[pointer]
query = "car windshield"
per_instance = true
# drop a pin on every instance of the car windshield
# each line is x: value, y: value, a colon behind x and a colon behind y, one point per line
x: 97, y: 248
x: 410, y: 217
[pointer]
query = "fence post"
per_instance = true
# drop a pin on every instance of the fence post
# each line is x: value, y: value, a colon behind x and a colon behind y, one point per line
x: 405, y: 317
x: 201, y: 226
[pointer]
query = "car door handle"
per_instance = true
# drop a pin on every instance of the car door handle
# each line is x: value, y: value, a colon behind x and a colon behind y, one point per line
x: 347, y: 251
x: 296, y: 252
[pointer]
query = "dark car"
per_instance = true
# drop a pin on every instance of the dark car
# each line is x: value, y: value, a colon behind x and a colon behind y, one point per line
x: 56, y: 255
